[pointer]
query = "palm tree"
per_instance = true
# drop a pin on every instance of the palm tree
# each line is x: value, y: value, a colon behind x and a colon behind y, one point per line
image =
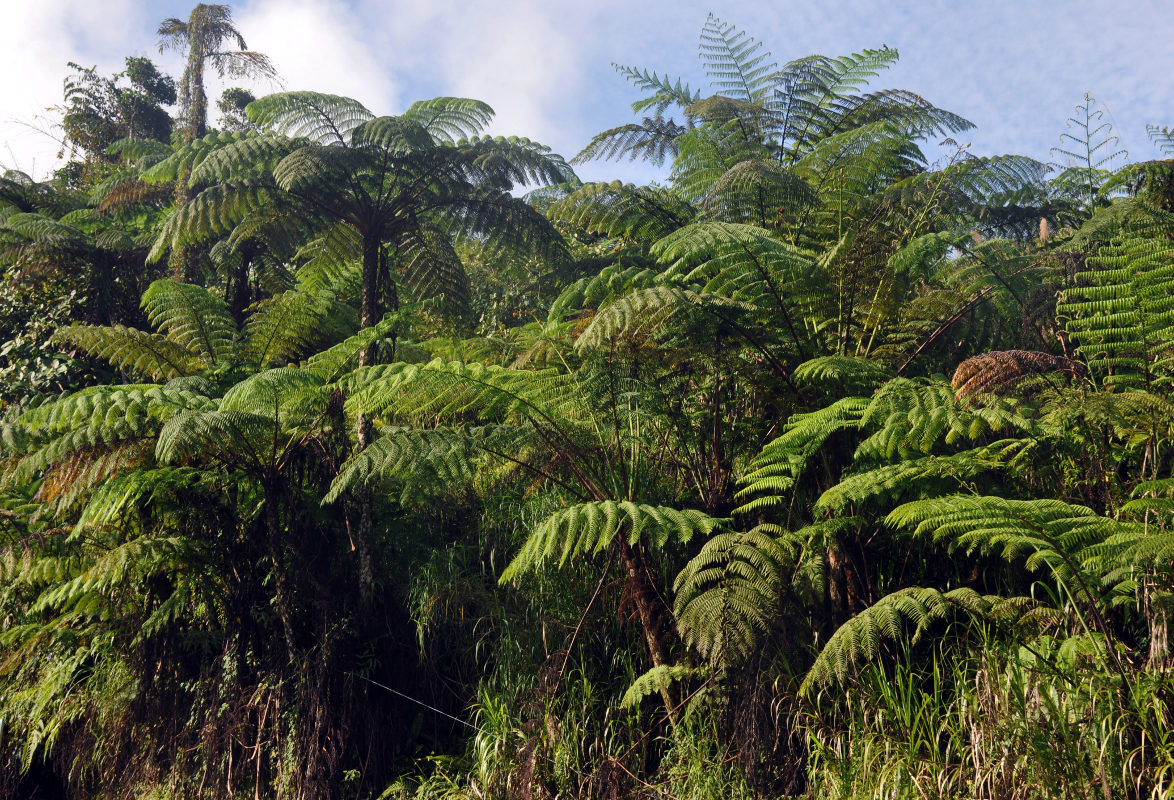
x: 206, y: 37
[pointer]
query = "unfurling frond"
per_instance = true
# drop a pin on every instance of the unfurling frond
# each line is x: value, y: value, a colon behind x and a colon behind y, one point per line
x: 589, y: 528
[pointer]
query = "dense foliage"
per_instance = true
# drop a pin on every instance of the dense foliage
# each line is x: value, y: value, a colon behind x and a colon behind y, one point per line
x: 820, y: 470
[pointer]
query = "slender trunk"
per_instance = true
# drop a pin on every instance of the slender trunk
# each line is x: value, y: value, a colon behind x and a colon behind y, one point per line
x: 643, y: 594
x: 280, y: 576
x: 368, y: 316
x: 369, y: 299
x: 241, y: 296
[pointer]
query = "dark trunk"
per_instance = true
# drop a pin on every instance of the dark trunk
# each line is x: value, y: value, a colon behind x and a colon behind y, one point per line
x: 646, y: 599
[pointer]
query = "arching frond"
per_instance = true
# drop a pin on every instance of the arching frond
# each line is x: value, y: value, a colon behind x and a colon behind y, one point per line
x: 192, y: 317
x: 149, y: 354
x: 657, y: 679
x: 280, y: 328
x: 645, y: 311
x: 322, y: 118
x: 448, y: 119
x: 589, y: 528
x: 727, y: 595
x: 622, y: 211
x: 891, y: 618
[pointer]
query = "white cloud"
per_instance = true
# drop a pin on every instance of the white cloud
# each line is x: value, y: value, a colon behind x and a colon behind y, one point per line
x: 37, y: 39
x: 319, y: 45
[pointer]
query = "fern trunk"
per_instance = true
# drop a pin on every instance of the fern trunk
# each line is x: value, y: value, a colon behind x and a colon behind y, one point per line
x: 645, y: 595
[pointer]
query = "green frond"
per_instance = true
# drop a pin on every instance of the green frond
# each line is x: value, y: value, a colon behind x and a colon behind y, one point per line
x: 447, y: 119
x: 652, y: 140
x: 727, y: 595
x: 192, y: 317
x: 334, y: 362
x: 665, y: 92
x: 285, y: 394
x: 1047, y: 534
x: 842, y: 375
x: 614, y: 280
x: 432, y: 269
x: 331, y: 262
x: 758, y: 192
x: 238, y: 439
x: 735, y: 62
x: 322, y: 118
x: 118, y: 496
x: 916, y: 608
x: 745, y: 264
x: 397, y: 136
x: 149, y: 354
x: 884, y: 483
x: 216, y: 210
x: 439, y: 461
x: 441, y: 389
x: 279, y: 329
x: 657, y: 679
x: 507, y: 161
x: 644, y: 312
x: 1119, y: 312
x: 618, y: 210
x: 247, y: 156
x: 589, y: 528
x: 914, y: 417
x: 774, y: 471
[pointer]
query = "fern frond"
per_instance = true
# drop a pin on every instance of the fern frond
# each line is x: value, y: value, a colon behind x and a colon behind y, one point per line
x: 652, y: 140
x: 646, y: 311
x: 192, y: 317
x: 622, y: 211
x: 657, y: 679
x: 728, y: 593
x: 149, y: 354
x: 448, y: 119
x: 322, y: 118
x: 589, y: 528
x: 918, y: 608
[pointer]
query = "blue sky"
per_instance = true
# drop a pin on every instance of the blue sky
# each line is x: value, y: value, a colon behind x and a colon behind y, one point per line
x: 1015, y: 69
